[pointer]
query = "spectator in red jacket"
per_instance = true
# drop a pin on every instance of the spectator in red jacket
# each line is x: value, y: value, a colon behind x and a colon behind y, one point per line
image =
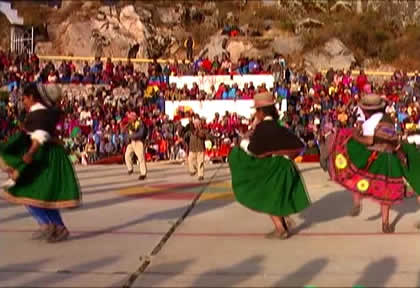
x: 361, y: 80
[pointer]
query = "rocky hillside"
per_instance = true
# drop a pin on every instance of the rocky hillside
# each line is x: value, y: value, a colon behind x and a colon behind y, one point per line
x: 314, y: 34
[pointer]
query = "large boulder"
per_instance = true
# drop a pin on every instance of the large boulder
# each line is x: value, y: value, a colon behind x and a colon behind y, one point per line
x: 170, y: 15
x: 110, y: 33
x: 215, y: 46
x: 333, y: 54
x: 286, y: 45
x: 237, y: 49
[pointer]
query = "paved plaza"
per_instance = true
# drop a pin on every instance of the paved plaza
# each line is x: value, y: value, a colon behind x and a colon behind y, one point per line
x: 174, y: 231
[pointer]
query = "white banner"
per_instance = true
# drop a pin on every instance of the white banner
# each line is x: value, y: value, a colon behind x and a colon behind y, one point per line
x: 207, y: 109
x: 205, y: 82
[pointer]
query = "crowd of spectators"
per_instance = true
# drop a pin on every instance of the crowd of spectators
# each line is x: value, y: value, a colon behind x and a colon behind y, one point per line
x: 15, y: 69
x: 92, y: 126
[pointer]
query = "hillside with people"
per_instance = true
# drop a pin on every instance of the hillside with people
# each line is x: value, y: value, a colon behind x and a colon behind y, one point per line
x: 274, y: 55
x: 311, y: 34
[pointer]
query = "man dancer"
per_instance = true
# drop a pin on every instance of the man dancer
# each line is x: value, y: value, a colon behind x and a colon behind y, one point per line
x: 197, y: 136
x: 138, y: 134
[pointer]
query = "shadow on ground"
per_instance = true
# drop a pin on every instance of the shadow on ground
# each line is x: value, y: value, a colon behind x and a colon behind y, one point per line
x: 377, y: 273
x: 231, y: 276
x: 328, y: 208
x: 59, y: 276
x: 160, y: 273
x: 171, y: 214
x: 304, y: 274
x: 10, y: 271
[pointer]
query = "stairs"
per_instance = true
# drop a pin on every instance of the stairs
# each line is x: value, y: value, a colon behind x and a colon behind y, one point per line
x: 10, y: 13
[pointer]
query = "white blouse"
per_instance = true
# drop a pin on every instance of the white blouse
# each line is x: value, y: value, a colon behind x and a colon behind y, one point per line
x: 370, y: 124
x: 41, y: 136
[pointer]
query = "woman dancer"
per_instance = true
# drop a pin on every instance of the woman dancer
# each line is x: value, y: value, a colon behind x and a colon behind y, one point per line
x: 43, y: 177
x: 262, y: 178
x: 371, y: 162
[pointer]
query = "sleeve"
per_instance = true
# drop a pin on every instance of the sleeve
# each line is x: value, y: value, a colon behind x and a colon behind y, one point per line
x: 370, y: 125
x: 244, y: 146
x: 39, y: 123
x: 40, y: 136
x: 414, y: 139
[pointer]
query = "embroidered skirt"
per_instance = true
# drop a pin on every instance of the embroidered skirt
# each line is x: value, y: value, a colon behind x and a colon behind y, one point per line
x: 379, y: 175
x: 271, y: 185
x: 48, y: 182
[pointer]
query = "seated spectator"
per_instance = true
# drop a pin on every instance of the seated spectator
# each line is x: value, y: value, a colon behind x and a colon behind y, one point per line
x: 212, y: 94
x: 109, y: 68
x: 262, y: 88
x: 86, y: 69
x: 246, y: 93
x: 129, y: 68
x: 226, y: 91
x: 215, y: 66
x: 52, y: 77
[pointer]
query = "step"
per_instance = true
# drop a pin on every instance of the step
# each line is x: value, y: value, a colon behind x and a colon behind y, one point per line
x: 11, y: 14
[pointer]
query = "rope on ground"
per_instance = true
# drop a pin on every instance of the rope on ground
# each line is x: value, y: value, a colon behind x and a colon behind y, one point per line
x: 146, y: 261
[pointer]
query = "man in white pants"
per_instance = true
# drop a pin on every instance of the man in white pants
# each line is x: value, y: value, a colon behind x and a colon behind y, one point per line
x: 138, y: 136
x: 197, y: 148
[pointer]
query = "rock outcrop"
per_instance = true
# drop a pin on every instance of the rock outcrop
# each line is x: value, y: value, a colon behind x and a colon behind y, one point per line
x: 216, y: 46
x: 287, y: 45
x: 111, y: 33
x: 333, y: 54
x: 147, y: 30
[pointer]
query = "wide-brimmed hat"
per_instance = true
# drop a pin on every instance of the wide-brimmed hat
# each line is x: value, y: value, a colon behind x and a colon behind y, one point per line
x: 372, y: 102
x: 50, y: 94
x: 263, y: 99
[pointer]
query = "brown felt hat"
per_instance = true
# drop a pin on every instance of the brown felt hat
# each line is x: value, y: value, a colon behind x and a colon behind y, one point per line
x: 372, y: 102
x: 263, y: 99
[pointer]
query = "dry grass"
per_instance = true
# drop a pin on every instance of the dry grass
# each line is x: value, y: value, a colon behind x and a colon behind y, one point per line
x: 32, y: 12
x: 368, y: 36
x: 201, y: 33
x: 257, y: 16
x: 4, y: 32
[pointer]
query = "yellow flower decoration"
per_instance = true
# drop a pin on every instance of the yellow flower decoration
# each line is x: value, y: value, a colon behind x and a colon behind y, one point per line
x: 363, y: 185
x: 340, y: 161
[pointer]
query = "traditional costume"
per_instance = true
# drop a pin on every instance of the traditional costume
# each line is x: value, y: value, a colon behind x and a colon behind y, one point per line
x: 376, y: 171
x: 262, y: 179
x: 48, y: 182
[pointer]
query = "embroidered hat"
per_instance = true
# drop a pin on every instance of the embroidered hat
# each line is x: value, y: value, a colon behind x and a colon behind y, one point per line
x: 50, y: 94
x: 372, y: 102
x: 263, y: 99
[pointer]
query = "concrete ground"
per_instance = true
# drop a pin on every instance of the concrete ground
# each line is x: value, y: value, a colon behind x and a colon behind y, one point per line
x: 172, y: 230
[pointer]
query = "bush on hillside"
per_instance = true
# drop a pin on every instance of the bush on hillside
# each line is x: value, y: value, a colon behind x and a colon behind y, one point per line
x: 368, y: 36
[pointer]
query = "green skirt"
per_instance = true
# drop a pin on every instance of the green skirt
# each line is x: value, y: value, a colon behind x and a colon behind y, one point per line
x: 271, y: 185
x: 48, y: 182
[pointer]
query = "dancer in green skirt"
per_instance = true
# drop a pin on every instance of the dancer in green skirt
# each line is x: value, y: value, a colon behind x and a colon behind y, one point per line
x: 41, y: 175
x: 263, y: 179
x: 371, y: 161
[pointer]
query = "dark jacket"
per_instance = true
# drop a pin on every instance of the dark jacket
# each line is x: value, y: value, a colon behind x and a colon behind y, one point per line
x: 43, y: 120
x: 270, y: 137
x: 140, y: 134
